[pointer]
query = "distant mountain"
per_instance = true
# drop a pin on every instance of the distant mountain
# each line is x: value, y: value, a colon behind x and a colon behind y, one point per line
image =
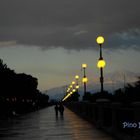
x: 125, y: 76
x: 112, y: 81
x: 56, y: 93
x: 120, y: 79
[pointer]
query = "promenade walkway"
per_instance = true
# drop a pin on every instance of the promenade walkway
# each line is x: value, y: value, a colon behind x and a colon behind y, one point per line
x: 44, y: 125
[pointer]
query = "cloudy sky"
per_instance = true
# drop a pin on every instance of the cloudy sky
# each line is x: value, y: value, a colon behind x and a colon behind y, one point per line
x: 50, y: 39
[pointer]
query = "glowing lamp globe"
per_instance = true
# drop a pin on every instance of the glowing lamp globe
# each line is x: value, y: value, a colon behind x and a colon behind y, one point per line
x: 84, y: 65
x: 73, y: 82
x: 101, y: 64
x: 100, y: 40
x: 85, y: 80
x: 77, y: 77
x: 73, y: 90
x: 77, y: 87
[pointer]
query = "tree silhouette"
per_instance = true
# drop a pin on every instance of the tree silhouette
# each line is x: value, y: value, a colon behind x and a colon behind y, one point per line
x: 19, y: 92
x: 130, y: 94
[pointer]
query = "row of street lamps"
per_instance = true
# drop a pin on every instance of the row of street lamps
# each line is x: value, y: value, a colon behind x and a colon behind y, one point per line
x: 74, y: 87
x: 100, y: 64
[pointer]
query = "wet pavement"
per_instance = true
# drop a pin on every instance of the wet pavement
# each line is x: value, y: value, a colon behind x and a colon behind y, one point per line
x: 44, y: 125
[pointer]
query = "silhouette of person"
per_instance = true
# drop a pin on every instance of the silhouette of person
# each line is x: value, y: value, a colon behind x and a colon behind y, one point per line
x: 56, y: 109
x: 61, y: 109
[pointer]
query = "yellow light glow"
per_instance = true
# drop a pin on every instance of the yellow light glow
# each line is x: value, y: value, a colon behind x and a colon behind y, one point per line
x: 70, y: 86
x: 100, y: 40
x: 84, y: 65
x: 73, y: 82
x: 77, y: 87
x: 85, y: 80
x: 101, y: 64
x: 66, y: 97
x: 73, y: 90
x: 77, y: 77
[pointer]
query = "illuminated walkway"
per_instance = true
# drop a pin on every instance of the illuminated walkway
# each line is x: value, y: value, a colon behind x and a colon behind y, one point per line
x: 43, y: 125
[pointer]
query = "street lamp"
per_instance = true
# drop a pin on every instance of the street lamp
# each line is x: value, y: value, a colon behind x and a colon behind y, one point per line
x: 74, y: 90
x: 73, y: 86
x: 73, y: 82
x: 77, y: 84
x: 100, y: 41
x: 101, y: 63
x: 85, y: 79
x: 76, y: 77
x: 84, y: 66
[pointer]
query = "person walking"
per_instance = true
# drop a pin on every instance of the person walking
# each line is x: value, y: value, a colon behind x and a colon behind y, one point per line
x: 61, y: 109
x: 56, y: 108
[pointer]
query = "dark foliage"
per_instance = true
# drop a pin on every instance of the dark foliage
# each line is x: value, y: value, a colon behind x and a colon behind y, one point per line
x: 131, y: 93
x: 18, y: 92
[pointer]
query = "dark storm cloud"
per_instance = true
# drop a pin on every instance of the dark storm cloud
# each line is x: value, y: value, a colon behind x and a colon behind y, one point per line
x: 72, y: 24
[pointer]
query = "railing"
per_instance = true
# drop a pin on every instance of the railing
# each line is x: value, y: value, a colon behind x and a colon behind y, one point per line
x: 121, y: 122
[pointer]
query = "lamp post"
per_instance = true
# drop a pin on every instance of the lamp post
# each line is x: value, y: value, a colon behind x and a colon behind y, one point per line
x: 101, y: 63
x: 84, y: 80
x: 73, y: 86
x: 77, y: 84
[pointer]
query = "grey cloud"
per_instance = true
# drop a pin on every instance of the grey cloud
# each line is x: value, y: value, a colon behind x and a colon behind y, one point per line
x: 125, y: 40
x: 72, y: 24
